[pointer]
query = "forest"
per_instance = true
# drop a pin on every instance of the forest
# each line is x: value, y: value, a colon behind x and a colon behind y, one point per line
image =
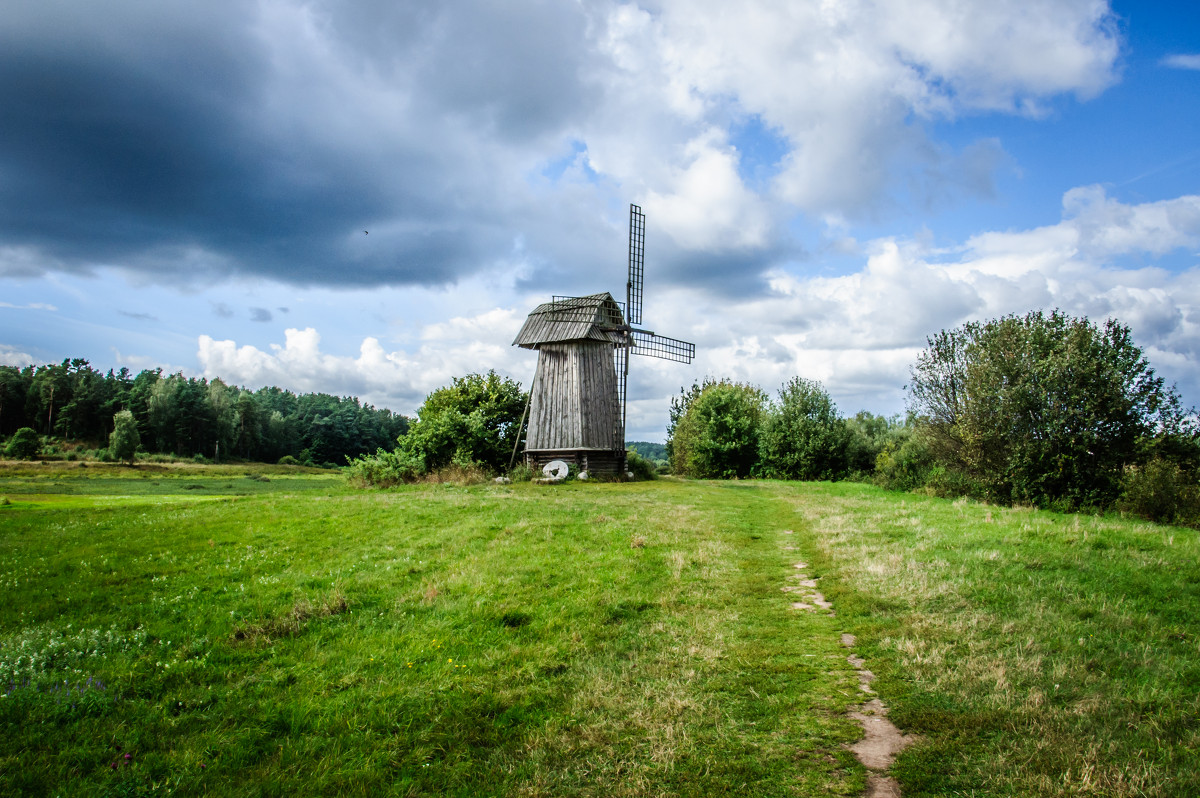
x: 189, y: 416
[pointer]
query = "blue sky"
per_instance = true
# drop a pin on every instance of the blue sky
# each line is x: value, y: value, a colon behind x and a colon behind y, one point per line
x: 825, y: 184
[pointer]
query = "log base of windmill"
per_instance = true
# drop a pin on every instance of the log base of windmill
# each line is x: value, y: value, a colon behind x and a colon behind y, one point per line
x: 595, y: 462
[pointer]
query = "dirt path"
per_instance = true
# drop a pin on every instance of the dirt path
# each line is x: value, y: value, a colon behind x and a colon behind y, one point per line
x: 882, y: 741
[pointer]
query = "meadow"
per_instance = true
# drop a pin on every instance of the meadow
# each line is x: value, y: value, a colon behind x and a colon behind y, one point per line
x: 271, y: 631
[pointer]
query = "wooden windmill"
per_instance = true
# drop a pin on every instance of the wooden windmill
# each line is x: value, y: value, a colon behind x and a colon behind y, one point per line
x: 578, y: 400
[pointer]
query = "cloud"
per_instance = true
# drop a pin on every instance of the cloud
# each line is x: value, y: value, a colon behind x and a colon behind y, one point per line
x: 191, y: 143
x: 137, y: 316
x: 858, y: 333
x: 396, y: 379
x: 1182, y: 61
x: 10, y: 356
x: 260, y: 314
x: 29, y: 306
x: 221, y: 310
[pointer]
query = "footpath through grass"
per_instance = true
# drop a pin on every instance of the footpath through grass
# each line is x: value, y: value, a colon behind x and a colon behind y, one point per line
x: 293, y: 636
x: 1037, y: 653
x: 580, y: 639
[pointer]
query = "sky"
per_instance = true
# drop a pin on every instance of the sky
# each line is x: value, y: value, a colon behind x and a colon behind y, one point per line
x: 364, y: 197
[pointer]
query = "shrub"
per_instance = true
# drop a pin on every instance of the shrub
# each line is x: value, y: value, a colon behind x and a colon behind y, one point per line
x: 24, y: 444
x: 521, y: 472
x: 639, y: 466
x: 906, y: 462
x: 803, y: 437
x: 474, y: 420
x: 288, y: 460
x: 1043, y: 408
x: 384, y: 469
x: 714, y: 430
x: 125, y: 439
x: 1161, y: 491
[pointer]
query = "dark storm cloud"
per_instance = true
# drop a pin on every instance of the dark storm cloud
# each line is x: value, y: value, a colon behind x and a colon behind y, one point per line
x: 265, y: 139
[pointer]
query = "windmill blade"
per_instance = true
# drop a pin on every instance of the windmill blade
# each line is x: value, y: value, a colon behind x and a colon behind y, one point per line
x: 648, y: 344
x: 637, y: 263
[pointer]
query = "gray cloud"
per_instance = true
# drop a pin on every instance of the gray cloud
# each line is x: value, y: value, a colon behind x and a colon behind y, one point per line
x: 260, y: 314
x: 191, y: 142
x: 137, y: 316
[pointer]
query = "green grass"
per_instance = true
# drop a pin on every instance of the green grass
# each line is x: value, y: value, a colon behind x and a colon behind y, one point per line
x: 1037, y: 653
x: 517, y: 640
x: 294, y: 636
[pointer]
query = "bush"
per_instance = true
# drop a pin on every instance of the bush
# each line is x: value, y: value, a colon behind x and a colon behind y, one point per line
x: 803, y: 437
x: 24, y: 444
x: 639, y: 466
x: 521, y: 472
x: 473, y: 421
x: 1163, y: 492
x: 384, y: 469
x: 714, y: 430
x: 1043, y: 408
x: 125, y: 439
x: 906, y: 462
x: 288, y: 460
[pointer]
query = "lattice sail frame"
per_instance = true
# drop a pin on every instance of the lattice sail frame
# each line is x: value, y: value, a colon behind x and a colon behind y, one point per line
x: 637, y: 264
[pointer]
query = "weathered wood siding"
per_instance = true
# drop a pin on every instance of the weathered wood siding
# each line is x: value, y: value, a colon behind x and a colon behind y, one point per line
x: 573, y: 402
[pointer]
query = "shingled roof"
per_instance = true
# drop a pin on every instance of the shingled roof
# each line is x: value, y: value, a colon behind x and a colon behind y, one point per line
x: 572, y: 319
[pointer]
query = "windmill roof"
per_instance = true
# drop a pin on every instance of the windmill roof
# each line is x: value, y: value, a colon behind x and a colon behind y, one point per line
x: 572, y: 319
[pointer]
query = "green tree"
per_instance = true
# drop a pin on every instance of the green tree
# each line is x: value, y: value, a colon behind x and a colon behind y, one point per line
x: 803, y: 437
x: 714, y: 430
x: 24, y: 444
x: 1045, y: 408
x: 475, y: 419
x: 124, y: 440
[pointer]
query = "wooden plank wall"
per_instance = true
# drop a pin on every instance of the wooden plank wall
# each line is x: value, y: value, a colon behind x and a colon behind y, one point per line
x: 573, y: 403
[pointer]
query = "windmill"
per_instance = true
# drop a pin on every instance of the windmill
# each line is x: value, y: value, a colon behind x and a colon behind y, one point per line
x: 579, y: 397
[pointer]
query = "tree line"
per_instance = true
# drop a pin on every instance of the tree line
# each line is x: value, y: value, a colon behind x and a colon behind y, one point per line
x: 1042, y: 409
x: 190, y: 416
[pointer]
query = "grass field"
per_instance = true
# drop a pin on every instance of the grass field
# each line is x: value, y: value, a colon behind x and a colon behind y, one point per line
x: 271, y: 631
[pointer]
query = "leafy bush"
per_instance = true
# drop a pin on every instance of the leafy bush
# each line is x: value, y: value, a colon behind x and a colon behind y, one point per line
x: 384, y: 469
x: 905, y: 462
x: 714, y: 430
x: 1162, y: 491
x: 1045, y: 409
x: 803, y: 437
x: 24, y: 444
x: 474, y: 420
x: 639, y: 466
x: 288, y: 460
x: 521, y: 472
x: 125, y: 439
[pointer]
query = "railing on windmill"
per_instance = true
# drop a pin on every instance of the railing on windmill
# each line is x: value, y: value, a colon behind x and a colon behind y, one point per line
x: 576, y: 309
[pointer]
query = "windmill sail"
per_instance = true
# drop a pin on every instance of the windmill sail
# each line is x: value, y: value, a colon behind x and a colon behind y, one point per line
x: 637, y: 263
x: 648, y: 344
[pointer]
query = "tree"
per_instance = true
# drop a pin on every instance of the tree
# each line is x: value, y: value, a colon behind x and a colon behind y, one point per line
x: 714, y: 430
x: 803, y: 437
x: 24, y: 444
x: 124, y: 440
x: 475, y: 419
x: 1044, y: 408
